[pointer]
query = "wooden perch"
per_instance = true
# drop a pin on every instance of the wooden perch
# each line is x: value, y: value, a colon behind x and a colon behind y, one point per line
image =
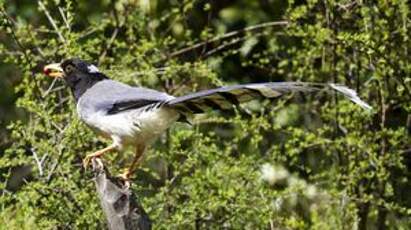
x: 119, y: 204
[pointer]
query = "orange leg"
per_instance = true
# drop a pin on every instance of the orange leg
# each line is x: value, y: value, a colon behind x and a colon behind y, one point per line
x: 89, y: 157
x: 136, y: 161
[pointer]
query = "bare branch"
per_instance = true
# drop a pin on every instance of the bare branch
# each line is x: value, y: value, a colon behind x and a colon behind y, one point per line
x: 110, y: 42
x: 228, y: 35
x: 11, y: 23
x: 50, y: 88
x: 225, y: 45
x: 157, y: 71
x: 64, y: 18
x: 38, y: 161
x: 87, y: 33
x: 54, y: 167
x: 51, y: 20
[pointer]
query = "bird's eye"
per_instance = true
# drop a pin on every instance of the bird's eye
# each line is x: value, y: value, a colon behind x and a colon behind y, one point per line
x: 69, y: 68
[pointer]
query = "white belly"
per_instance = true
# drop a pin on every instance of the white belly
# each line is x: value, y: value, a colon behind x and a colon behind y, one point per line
x: 135, y: 126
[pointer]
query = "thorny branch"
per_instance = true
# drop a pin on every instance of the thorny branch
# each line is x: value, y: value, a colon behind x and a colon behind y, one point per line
x: 39, y: 161
x: 64, y: 18
x: 113, y: 35
x: 51, y: 20
x: 228, y: 35
x: 109, y: 44
x: 10, y: 23
x: 225, y: 45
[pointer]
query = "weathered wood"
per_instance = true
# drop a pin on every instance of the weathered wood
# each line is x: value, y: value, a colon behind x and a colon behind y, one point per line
x: 119, y: 204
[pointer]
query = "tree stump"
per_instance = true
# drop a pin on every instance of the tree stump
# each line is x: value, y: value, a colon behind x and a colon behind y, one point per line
x: 119, y: 204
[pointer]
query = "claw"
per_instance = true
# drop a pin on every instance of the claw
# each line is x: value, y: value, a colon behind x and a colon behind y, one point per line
x: 127, y: 184
x: 96, y: 155
x: 125, y: 177
x: 89, y: 158
x: 86, y: 162
x: 97, y: 163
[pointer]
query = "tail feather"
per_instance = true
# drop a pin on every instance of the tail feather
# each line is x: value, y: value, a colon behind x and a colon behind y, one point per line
x: 351, y: 95
x: 225, y: 97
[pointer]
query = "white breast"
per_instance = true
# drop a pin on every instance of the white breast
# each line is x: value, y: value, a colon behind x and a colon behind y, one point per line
x: 134, y: 126
x: 152, y: 123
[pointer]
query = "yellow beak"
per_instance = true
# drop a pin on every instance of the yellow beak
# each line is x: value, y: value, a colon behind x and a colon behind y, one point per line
x: 53, y: 70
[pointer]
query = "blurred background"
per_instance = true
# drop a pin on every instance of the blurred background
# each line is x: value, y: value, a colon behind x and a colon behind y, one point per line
x: 305, y: 161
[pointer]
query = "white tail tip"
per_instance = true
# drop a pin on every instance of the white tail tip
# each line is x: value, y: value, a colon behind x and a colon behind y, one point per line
x: 352, y: 95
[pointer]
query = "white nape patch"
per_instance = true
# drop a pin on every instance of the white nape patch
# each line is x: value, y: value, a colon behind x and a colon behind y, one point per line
x: 92, y: 69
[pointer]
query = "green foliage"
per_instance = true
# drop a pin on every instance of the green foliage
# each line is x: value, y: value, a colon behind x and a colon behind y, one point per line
x: 302, y: 162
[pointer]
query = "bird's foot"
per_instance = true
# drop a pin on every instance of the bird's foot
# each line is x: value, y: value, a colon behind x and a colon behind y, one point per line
x: 97, y: 163
x: 125, y: 177
x: 90, y: 157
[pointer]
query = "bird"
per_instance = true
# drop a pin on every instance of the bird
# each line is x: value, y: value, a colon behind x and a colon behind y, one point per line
x: 135, y: 117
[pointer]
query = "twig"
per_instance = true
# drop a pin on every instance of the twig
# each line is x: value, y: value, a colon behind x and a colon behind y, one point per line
x: 64, y: 18
x: 50, y: 88
x: 110, y: 42
x: 54, y: 167
x: 14, y: 36
x: 62, y: 101
x: 12, y: 53
x: 46, y: 31
x: 87, y: 33
x: 347, y: 6
x: 158, y: 71
x: 58, y: 88
x: 40, y: 51
x: 61, y: 130
x: 114, y: 35
x: 207, y: 38
x: 116, y: 19
x: 228, y: 35
x: 225, y: 45
x: 38, y: 161
x: 51, y: 20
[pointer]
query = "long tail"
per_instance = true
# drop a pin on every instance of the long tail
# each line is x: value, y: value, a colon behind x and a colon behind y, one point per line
x: 223, y: 98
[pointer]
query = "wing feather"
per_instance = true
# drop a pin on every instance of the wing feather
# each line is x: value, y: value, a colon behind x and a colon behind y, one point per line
x: 113, y: 97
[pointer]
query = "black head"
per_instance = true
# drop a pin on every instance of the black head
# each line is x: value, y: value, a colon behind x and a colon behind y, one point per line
x: 78, y: 75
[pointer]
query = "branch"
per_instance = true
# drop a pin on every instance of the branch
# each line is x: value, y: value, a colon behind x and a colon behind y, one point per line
x: 38, y: 161
x: 109, y: 44
x: 11, y: 24
x: 409, y: 124
x: 228, y: 35
x: 52, y: 22
x: 225, y: 45
x: 64, y: 18
x: 119, y: 204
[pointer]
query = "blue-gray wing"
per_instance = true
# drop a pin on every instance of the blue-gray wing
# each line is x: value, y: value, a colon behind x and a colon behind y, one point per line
x: 113, y: 97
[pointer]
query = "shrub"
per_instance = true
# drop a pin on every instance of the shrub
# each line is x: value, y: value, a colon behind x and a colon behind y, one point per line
x: 342, y: 167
